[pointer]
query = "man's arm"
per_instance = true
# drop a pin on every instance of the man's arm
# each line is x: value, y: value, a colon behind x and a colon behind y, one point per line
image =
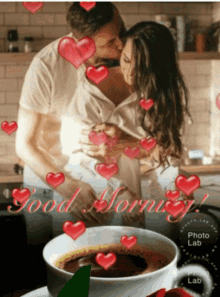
x: 28, y: 133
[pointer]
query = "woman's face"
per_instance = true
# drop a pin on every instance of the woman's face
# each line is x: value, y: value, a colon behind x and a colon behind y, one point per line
x: 127, y: 62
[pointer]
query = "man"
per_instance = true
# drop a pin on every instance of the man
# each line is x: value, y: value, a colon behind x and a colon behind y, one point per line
x: 49, y: 86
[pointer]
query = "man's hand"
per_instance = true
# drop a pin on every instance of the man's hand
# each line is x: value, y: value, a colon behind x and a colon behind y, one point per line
x: 84, y: 200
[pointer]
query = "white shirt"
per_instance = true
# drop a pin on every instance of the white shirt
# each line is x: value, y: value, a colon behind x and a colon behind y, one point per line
x: 89, y: 107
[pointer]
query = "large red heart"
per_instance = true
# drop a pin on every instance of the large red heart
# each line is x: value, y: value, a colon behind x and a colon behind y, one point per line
x: 87, y: 5
x: 132, y: 153
x: 97, y: 75
x: 128, y: 241
x: 187, y: 185
x: 106, y: 261
x: 76, y: 52
x: 146, y: 104
x: 33, y: 6
x: 21, y: 195
x: 55, y: 179
x: 148, y: 144
x: 159, y: 293
x: 107, y: 170
x: 172, y: 195
x: 98, y: 138
x: 174, y: 208
x: 100, y: 205
x: 74, y: 230
x: 9, y: 128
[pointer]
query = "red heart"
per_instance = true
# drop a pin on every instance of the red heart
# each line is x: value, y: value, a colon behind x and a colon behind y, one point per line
x: 97, y: 75
x: 172, y: 195
x: 55, y: 179
x: 100, y: 205
x: 128, y: 241
x: 187, y: 185
x: 9, y: 128
x: 146, y: 104
x: 178, y: 292
x: 76, y: 52
x: 98, y: 138
x: 159, y: 293
x: 33, y: 6
x: 107, y: 170
x: 87, y: 5
x: 74, y: 230
x: 148, y: 144
x: 132, y: 153
x: 174, y: 208
x: 105, y: 261
x: 21, y: 195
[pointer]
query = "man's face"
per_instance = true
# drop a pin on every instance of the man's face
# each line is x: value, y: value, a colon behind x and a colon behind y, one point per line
x: 108, y: 43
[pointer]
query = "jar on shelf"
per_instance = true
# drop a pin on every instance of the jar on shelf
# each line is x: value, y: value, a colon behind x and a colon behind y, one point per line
x: 13, y: 41
x: 28, y: 44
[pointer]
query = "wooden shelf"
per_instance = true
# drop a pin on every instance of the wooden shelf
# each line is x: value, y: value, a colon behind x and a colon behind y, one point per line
x: 14, y: 58
x: 209, y: 169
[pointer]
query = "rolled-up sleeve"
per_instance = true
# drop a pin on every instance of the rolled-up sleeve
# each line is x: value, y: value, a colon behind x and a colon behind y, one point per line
x: 37, y: 88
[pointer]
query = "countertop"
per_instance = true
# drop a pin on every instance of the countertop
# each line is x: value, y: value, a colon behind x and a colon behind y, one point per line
x: 7, y: 174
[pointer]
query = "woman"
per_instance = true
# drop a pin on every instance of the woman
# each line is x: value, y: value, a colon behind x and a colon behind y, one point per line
x: 149, y: 68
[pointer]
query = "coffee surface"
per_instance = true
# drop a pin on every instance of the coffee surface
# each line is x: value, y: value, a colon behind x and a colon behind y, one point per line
x: 134, y: 261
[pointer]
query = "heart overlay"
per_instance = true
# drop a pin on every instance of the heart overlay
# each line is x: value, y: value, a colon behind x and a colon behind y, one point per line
x: 9, y: 128
x: 76, y: 52
x: 148, y: 144
x: 174, y: 208
x: 187, y: 185
x: 100, y: 204
x: 33, y: 6
x: 146, y: 104
x: 97, y: 75
x: 172, y: 195
x: 74, y: 230
x: 55, y: 179
x: 106, y: 261
x: 128, y: 241
x: 21, y: 195
x: 87, y: 5
x: 107, y: 170
x: 98, y: 138
x: 131, y: 153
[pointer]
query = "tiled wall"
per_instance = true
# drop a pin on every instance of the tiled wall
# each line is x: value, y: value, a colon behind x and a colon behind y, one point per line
x: 49, y: 23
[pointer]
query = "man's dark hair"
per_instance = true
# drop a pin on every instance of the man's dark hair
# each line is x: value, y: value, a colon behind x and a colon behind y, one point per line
x: 89, y: 22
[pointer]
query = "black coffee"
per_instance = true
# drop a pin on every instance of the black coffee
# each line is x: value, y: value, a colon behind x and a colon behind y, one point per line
x: 130, y: 262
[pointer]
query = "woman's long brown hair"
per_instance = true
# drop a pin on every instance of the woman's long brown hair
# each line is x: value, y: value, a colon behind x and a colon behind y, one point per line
x: 157, y: 76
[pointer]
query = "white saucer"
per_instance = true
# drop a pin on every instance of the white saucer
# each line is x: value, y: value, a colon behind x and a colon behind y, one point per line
x: 42, y: 292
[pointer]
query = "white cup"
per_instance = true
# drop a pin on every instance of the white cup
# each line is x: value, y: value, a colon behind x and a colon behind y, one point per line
x: 168, y: 277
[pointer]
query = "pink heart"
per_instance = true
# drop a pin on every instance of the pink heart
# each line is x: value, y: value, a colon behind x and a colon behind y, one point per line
x: 74, y: 230
x: 172, y: 195
x: 98, y: 138
x: 148, y: 144
x: 76, y: 52
x: 105, y: 261
x: 128, y: 241
x: 146, y: 104
x: 21, y: 195
x: 107, y: 170
x: 132, y: 153
x: 97, y: 75
x: 87, y: 5
x: 9, y: 128
x: 33, y: 6
x: 100, y: 205
x: 174, y: 208
x: 187, y: 185
x: 55, y: 179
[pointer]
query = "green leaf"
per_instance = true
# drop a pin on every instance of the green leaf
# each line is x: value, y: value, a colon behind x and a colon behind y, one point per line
x: 78, y: 285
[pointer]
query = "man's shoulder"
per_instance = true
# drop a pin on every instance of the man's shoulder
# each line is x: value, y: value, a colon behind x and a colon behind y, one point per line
x: 49, y: 55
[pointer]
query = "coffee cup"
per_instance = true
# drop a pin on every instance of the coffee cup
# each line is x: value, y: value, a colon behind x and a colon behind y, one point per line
x: 168, y: 277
